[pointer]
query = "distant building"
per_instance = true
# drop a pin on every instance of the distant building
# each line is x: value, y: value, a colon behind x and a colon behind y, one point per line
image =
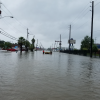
x: 15, y: 46
x: 98, y: 46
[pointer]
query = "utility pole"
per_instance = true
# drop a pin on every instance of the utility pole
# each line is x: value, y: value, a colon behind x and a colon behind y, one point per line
x: 60, y: 42
x: 92, y: 27
x: 69, y: 37
x: 0, y: 8
x: 95, y: 40
x: 54, y: 46
x: 27, y: 33
x: 26, y: 41
x: 36, y: 44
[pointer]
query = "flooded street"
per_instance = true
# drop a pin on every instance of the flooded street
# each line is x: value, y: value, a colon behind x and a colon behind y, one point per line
x: 34, y: 76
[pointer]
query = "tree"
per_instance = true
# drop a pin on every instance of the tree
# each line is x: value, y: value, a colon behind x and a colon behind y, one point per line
x: 33, y: 41
x: 27, y: 44
x: 2, y: 44
x: 86, y: 43
x: 94, y: 47
x: 31, y: 47
x: 21, y: 41
x: 7, y: 45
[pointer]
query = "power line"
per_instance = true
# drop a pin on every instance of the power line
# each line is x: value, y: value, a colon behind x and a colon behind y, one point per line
x: 87, y: 34
x: 4, y: 11
x: 96, y: 30
x: 81, y: 25
x: 81, y: 12
x: 7, y: 34
x: 81, y: 17
x: 15, y: 18
x: 96, y: 4
x: 10, y: 24
x: 25, y: 27
x: 96, y: 0
x: 6, y: 21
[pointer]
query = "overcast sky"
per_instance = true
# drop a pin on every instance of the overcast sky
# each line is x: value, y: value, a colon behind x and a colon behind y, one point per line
x: 47, y: 19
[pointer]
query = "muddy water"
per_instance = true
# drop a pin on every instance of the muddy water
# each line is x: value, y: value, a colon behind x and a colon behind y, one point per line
x: 34, y: 76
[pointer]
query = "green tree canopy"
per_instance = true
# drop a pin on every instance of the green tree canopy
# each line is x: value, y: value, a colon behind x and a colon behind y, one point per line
x: 86, y: 43
x: 2, y: 44
x: 33, y: 41
x: 27, y: 43
x: 21, y: 41
x: 94, y: 47
x: 7, y: 45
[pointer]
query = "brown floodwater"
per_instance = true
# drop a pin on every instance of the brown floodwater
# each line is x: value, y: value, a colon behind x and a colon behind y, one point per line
x: 34, y: 76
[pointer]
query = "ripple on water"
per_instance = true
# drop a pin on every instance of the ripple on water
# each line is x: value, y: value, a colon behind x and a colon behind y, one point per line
x: 59, y: 76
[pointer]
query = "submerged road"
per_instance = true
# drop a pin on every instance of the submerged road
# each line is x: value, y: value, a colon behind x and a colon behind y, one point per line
x: 34, y: 76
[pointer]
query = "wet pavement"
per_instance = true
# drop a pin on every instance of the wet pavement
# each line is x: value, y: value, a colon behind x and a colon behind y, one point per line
x: 34, y: 76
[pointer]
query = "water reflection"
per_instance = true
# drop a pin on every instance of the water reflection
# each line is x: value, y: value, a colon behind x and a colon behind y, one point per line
x: 32, y: 75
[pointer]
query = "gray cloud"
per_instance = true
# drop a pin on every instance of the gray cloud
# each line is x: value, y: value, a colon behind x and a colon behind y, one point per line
x: 47, y: 19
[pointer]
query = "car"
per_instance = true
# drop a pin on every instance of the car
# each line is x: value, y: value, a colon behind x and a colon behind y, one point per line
x: 47, y: 52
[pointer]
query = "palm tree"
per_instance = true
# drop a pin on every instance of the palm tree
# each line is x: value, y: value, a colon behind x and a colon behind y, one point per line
x: 21, y: 41
x: 33, y: 41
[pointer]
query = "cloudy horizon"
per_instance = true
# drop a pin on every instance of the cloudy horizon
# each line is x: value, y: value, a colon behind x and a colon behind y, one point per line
x: 47, y: 19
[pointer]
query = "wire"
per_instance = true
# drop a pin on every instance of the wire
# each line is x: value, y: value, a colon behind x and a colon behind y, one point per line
x: 96, y: 4
x: 96, y: 30
x: 6, y: 34
x: 95, y: 0
x: 9, y: 35
x: 81, y: 18
x: 88, y: 33
x: 11, y: 25
x: 81, y: 25
x: 4, y: 11
x: 15, y: 18
x: 81, y: 12
x: 14, y: 28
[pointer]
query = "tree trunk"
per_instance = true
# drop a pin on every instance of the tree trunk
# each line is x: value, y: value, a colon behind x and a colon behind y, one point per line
x: 21, y: 48
x: 26, y: 48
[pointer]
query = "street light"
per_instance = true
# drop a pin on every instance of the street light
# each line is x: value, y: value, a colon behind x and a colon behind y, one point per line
x: 7, y: 16
x: 1, y: 13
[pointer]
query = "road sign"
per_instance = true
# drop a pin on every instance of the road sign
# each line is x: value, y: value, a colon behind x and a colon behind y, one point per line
x: 71, y: 47
x: 72, y: 41
x: 58, y: 41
